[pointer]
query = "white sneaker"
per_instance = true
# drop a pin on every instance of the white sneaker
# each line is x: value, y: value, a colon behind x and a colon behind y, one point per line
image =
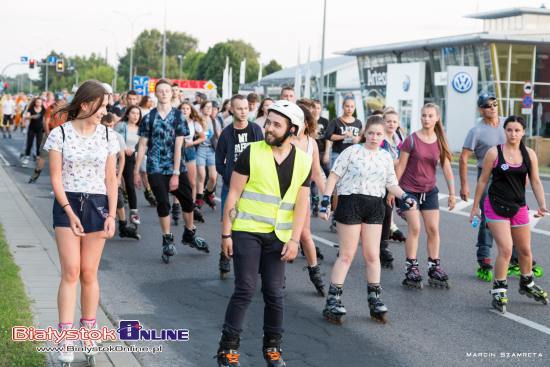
x: 65, y: 356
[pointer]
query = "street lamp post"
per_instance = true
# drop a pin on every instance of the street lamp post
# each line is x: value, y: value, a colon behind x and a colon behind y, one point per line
x: 322, y: 76
x: 132, y: 21
x: 180, y: 59
x: 164, y: 44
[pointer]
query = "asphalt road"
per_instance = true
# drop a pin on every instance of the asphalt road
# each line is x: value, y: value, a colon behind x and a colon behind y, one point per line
x: 430, y: 327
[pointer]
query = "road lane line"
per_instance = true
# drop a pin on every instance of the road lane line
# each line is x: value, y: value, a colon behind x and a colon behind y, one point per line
x: 523, y: 321
x: 3, y: 159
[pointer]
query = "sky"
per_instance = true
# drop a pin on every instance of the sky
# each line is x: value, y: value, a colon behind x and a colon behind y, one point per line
x: 279, y: 30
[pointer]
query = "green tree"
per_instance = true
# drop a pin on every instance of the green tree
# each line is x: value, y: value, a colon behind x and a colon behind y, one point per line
x: 191, y: 63
x: 272, y: 67
x: 213, y: 63
x: 148, y: 54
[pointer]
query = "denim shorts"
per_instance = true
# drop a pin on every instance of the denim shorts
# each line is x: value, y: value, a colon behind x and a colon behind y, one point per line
x: 206, y: 156
x: 91, y: 209
x: 190, y: 154
x: 426, y: 200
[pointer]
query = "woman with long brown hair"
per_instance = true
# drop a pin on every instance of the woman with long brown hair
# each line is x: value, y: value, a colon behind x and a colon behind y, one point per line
x: 420, y: 153
x: 83, y: 174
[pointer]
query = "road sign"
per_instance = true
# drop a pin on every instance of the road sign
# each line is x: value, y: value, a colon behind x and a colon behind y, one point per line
x: 52, y: 59
x: 24, y: 59
x: 141, y: 85
x: 527, y: 101
x: 528, y: 87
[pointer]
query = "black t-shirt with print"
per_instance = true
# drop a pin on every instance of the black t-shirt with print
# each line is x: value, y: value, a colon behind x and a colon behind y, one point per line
x: 242, y: 140
x: 322, y: 125
x: 338, y: 127
x: 284, y: 170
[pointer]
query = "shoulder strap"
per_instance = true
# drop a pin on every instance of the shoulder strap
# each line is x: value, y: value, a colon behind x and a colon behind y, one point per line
x: 62, y: 132
x: 152, y: 117
x: 412, y: 141
x: 107, y: 133
x: 500, y: 155
x: 526, y: 158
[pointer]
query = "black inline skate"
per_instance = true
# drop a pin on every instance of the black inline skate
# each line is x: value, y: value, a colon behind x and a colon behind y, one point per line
x: 320, y: 255
x: 228, y: 352
x: 485, y: 270
x: 148, y: 194
x: 175, y: 211
x: 413, y: 279
x: 197, y: 214
x: 315, y: 277
x: 397, y: 236
x: 528, y: 288
x: 498, y: 293
x: 513, y: 268
x: 437, y: 278
x: 378, y: 311
x: 190, y: 239
x: 126, y: 230
x: 209, y: 199
x: 332, y: 227
x: 168, y: 247
x: 35, y: 176
x: 224, y: 265
x: 334, y: 310
x: 386, y: 257
x: 272, y: 351
x: 315, y: 205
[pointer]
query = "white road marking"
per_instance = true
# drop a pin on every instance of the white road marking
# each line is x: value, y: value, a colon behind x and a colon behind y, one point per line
x: 3, y: 159
x: 523, y: 321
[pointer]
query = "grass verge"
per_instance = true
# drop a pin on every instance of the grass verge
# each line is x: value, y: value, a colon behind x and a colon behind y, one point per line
x: 14, y: 310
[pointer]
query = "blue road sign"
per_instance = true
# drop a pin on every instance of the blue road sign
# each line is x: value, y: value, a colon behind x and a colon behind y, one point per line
x: 52, y: 59
x: 141, y: 84
x: 24, y: 59
x: 527, y: 101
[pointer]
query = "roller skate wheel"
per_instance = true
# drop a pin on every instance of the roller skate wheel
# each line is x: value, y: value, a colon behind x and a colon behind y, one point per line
x: 165, y: 258
x: 138, y: 237
x: 336, y: 320
x: 538, y: 271
x: 223, y: 275
x: 380, y: 318
x: 90, y: 360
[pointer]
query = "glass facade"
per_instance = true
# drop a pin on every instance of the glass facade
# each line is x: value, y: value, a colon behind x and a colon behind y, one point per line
x: 503, y: 70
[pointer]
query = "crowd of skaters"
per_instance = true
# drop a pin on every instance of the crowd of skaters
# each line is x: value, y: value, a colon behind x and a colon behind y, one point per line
x: 351, y: 173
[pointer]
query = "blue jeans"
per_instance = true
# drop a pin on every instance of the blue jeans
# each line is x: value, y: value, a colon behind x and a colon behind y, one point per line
x: 225, y: 191
x: 484, y: 236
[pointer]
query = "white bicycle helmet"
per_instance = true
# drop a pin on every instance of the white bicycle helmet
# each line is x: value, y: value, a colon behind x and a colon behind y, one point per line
x: 107, y: 87
x: 291, y: 111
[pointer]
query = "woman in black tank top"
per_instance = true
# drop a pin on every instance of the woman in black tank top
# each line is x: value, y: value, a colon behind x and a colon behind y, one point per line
x: 506, y: 210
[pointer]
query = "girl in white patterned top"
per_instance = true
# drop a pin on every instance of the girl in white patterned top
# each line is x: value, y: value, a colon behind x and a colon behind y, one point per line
x: 362, y: 173
x: 82, y: 156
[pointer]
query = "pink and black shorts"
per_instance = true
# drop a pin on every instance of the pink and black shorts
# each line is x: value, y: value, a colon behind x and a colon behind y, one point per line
x: 520, y: 219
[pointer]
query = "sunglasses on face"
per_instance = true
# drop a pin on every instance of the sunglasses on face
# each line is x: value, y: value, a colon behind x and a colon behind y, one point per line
x: 489, y: 105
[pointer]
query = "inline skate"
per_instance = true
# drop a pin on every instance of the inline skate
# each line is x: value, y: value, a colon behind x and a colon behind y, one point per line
x: 190, y: 239
x: 413, y: 279
x: 316, y: 279
x: 437, y: 278
x: 334, y: 310
x: 168, y: 247
x: 485, y: 270
x: 378, y: 311
x: 499, y: 295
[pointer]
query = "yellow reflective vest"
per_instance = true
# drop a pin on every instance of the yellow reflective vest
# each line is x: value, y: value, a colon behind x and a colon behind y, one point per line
x: 260, y: 208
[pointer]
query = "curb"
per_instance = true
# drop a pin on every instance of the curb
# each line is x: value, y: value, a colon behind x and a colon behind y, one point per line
x: 35, y: 253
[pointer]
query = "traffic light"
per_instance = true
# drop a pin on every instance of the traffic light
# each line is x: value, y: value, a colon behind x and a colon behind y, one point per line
x: 32, y: 62
x: 60, y: 66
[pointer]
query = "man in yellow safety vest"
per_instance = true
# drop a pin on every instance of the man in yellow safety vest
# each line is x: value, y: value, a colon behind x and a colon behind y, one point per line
x: 263, y: 218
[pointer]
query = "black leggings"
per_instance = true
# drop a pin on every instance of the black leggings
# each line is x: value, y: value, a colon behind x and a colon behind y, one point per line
x: 255, y: 253
x: 128, y: 174
x: 160, y: 185
x: 386, y: 224
x: 32, y: 135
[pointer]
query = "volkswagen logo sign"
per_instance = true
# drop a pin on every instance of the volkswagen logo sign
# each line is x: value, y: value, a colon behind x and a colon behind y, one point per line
x: 406, y: 83
x: 462, y: 82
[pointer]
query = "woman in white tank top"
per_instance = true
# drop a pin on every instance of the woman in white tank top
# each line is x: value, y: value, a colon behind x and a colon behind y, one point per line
x: 306, y: 143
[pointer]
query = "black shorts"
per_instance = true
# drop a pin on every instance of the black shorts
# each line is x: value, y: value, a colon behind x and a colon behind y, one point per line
x: 426, y: 200
x: 357, y: 209
x: 8, y: 120
x: 91, y: 209
x: 160, y: 185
